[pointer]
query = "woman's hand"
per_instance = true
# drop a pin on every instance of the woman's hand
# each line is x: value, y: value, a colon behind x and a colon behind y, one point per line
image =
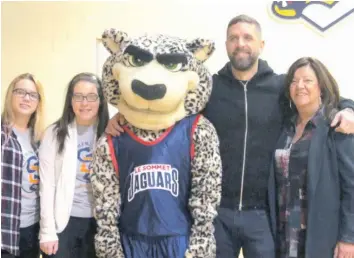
x: 344, y: 250
x: 49, y: 248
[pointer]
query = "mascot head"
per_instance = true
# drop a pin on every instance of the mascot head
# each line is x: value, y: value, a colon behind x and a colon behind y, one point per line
x: 155, y: 81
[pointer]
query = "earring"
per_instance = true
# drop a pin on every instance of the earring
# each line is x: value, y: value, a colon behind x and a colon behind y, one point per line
x: 290, y: 105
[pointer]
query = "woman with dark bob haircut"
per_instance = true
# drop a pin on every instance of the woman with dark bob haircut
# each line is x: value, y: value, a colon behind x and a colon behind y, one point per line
x: 311, y: 186
x: 67, y: 225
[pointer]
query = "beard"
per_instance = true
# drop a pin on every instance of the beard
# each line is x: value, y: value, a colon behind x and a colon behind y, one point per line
x: 243, y: 63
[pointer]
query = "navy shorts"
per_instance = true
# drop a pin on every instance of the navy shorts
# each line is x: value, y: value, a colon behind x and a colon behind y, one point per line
x: 154, y: 247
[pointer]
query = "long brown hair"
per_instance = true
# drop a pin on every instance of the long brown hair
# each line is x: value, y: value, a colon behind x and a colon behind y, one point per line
x: 68, y: 115
x: 328, y: 85
x: 36, y: 121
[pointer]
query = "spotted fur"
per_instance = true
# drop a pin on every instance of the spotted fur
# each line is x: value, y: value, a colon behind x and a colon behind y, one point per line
x: 206, y: 165
x: 105, y: 186
x: 195, y: 100
x: 205, y: 190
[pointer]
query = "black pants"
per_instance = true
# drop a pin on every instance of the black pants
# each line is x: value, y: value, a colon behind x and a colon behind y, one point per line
x: 29, y: 243
x: 249, y: 230
x: 77, y: 239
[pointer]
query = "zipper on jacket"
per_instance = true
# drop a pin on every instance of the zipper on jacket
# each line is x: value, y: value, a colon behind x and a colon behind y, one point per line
x: 244, y: 144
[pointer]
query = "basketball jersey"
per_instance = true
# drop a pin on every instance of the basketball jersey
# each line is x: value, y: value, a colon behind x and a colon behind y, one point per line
x: 155, y: 180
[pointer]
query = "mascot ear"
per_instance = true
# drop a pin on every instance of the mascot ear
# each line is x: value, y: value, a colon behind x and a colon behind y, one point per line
x: 114, y: 40
x: 201, y: 48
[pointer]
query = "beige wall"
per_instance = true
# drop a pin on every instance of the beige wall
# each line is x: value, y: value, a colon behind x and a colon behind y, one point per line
x: 56, y: 40
x: 52, y: 40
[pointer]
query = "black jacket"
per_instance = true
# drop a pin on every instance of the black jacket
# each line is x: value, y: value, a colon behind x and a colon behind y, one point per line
x: 242, y: 149
x: 246, y: 148
x: 330, y: 191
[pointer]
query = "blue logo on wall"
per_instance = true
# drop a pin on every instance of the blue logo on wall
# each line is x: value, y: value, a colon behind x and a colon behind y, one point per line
x: 320, y: 14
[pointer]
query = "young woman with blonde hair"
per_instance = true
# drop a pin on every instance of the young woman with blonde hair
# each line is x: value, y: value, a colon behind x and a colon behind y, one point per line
x: 21, y: 128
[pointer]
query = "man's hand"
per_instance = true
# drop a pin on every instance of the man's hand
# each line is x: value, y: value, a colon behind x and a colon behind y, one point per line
x: 345, y: 121
x: 344, y: 250
x: 114, y: 127
x: 49, y: 248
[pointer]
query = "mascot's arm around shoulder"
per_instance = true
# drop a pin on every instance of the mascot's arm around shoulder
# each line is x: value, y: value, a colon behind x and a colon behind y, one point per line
x: 105, y: 187
x: 205, y: 190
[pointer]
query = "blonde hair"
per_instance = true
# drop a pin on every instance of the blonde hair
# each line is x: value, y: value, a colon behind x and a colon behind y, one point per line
x: 36, y: 121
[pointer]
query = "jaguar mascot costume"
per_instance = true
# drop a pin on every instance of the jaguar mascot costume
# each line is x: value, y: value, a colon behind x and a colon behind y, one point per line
x: 157, y: 186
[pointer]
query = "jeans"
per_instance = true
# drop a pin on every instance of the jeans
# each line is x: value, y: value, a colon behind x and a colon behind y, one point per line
x: 77, y: 239
x: 246, y: 229
x: 29, y: 243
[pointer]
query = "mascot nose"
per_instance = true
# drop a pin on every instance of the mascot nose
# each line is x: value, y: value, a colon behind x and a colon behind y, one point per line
x: 148, y: 92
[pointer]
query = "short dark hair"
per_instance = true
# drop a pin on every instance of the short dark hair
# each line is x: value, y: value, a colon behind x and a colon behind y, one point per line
x: 245, y: 19
x: 328, y: 85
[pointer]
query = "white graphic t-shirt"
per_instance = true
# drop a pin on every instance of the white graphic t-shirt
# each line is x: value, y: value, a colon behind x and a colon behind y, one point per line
x: 30, y: 180
x: 83, y: 199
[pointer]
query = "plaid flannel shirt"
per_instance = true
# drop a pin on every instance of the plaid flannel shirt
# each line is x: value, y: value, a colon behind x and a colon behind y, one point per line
x: 11, y: 178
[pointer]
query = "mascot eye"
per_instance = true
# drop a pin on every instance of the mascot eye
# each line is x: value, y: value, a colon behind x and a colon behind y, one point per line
x: 173, y: 67
x: 135, y: 61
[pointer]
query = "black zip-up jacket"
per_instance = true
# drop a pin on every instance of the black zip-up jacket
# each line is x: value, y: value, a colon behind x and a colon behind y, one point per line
x: 246, y: 148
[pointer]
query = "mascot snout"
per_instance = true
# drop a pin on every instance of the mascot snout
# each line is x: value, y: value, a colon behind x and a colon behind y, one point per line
x: 148, y: 92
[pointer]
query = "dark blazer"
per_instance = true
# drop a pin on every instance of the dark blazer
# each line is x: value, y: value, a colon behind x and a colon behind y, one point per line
x: 330, y: 191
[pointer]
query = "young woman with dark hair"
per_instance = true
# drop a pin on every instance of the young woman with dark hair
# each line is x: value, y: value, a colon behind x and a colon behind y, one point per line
x: 67, y: 226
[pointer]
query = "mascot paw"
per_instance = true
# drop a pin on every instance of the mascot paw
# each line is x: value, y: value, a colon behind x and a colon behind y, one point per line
x: 108, y: 246
x: 202, y: 247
